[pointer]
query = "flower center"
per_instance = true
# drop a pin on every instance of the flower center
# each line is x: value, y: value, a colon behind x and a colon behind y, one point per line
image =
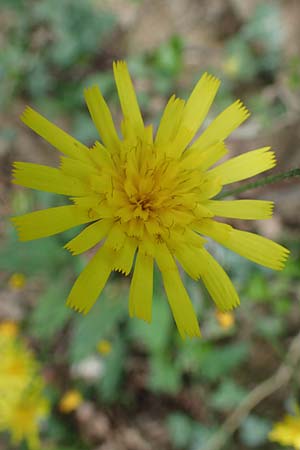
x: 148, y: 192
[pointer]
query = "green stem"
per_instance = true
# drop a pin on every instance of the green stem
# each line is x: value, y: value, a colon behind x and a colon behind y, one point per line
x: 263, y: 182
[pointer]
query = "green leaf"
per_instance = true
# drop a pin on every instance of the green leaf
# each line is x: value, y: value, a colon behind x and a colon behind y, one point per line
x: 154, y: 336
x: 164, y: 376
x: 101, y: 322
x: 180, y: 429
x: 265, y: 26
x: 109, y: 386
x: 51, y: 312
x: 258, y: 289
x: 282, y: 306
x: 33, y: 257
x: 215, y: 363
x: 240, y: 63
x: 227, y: 396
x: 189, y: 353
x: 168, y: 57
x: 254, y: 431
x: 186, y: 433
x: 201, y: 434
x: 270, y: 327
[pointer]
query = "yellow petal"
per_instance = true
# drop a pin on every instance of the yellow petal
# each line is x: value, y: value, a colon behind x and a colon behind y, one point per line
x: 245, y: 166
x: 148, y: 135
x: 170, y: 120
x: 180, y: 303
x: 101, y: 157
x: 141, y: 288
x: 190, y: 260
x: 216, y: 230
x: 77, y: 169
x: 195, y: 111
x: 49, y: 179
x: 200, y: 101
x: 102, y: 118
x: 91, y: 281
x: 210, y: 187
x: 116, y: 237
x: 47, y: 222
x: 128, y: 132
x: 101, y: 184
x: 89, y: 237
x: 197, y: 262
x: 241, y: 209
x: 257, y: 248
x: 193, y: 158
x: 218, y: 283
x: 125, y: 255
x: 97, y: 206
x: 54, y: 135
x: 90, y: 201
x: 127, y: 96
x: 222, y: 126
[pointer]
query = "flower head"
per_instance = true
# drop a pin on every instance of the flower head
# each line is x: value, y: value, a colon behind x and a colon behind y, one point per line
x: 150, y: 199
x: 22, y: 420
x: 17, y: 366
x: 22, y: 403
x: 17, y: 281
x: 287, y: 432
x: 225, y: 319
x: 8, y: 329
x: 70, y: 401
x: 104, y: 347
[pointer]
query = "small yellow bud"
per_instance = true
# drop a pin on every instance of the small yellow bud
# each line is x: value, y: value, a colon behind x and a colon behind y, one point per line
x: 70, y: 401
x: 17, y: 281
x: 104, y: 347
x: 225, y: 319
x: 8, y: 329
x: 231, y: 66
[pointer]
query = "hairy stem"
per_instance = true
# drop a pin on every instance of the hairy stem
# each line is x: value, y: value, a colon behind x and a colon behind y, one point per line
x: 263, y: 182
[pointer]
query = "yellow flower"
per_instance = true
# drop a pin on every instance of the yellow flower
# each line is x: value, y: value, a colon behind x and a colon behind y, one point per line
x: 17, y: 366
x: 150, y: 199
x: 23, y: 419
x: 104, y: 347
x: 17, y: 281
x: 231, y: 66
x: 287, y: 432
x: 70, y: 401
x: 225, y: 319
x: 8, y: 329
x: 21, y: 401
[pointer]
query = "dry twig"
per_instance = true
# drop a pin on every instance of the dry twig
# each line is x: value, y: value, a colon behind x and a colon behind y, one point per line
x: 281, y: 377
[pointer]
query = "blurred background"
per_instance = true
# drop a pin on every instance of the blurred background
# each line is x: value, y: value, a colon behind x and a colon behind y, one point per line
x: 111, y: 383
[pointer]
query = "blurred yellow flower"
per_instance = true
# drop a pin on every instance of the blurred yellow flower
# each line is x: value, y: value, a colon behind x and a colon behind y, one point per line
x: 231, y: 66
x: 22, y: 403
x: 104, y: 347
x: 287, y: 432
x: 70, y: 401
x: 17, y: 281
x: 23, y: 419
x: 225, y: 319
x: 17, y: 366
x: 150, y: 199
x: 9, y: 329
